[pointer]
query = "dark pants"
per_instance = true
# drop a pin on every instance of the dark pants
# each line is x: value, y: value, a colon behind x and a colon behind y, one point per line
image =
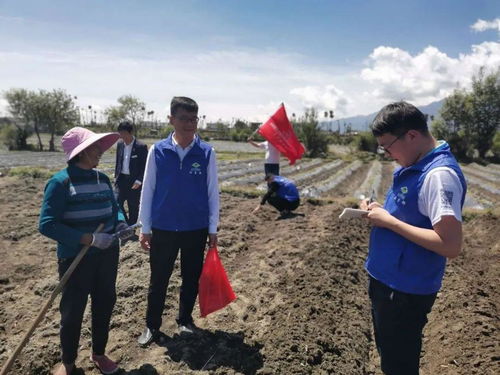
x: 398, y: 321
x: 165, y: 246
x: 126, y: 193
x: 272, y: 168
x: 95, y: 275
x: 282, y: 204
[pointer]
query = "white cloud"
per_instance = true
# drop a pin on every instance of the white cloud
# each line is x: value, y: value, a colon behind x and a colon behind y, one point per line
x: 428, y: 76
x: 246, y: 84
x: 482, y: 25
x: 323, y: 97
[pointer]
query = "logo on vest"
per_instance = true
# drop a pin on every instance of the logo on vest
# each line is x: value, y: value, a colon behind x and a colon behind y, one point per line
x: 195, y: 168
x: 401, y: 196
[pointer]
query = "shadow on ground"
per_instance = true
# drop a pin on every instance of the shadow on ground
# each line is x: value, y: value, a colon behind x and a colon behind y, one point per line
x: 145, y: 369
x: 208, y: 350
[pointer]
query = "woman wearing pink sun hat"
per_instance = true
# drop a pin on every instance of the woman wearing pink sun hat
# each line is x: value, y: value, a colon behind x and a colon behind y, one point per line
x: 77, y: 200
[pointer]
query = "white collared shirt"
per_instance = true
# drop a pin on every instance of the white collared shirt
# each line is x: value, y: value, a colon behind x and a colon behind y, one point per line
x: 127, y: 152
x: 272, y: 153
x: 149, y: 185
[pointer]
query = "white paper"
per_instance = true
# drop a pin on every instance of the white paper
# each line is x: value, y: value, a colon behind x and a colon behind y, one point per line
x: 352, y: 213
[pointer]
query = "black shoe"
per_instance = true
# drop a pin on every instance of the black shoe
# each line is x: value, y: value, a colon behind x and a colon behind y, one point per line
x: 147, y: 336
x: 285, y: 213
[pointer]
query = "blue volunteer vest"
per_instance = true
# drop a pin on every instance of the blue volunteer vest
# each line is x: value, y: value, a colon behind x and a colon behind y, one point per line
x: 180, y: 200
x: 287, y: 189
x: 394, y: 260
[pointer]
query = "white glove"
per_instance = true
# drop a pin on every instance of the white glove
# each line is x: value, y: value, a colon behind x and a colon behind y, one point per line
x: 102, y: 240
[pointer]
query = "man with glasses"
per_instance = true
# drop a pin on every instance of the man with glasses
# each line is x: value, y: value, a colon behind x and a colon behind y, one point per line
x: 417, y: 229
x: 179, y: 209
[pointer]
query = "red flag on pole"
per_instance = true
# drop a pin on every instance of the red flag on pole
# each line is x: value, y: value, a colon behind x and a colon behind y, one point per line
x: 279, y: 132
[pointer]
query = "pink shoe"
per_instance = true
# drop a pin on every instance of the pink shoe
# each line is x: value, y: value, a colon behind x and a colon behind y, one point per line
x: 103, y: 363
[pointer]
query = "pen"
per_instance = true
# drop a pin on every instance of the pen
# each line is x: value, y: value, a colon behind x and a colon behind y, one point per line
x: 372, y: 197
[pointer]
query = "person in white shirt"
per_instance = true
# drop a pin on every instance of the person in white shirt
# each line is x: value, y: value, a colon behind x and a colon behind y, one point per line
x: 129, y: 170
x: 272, y: 158
x: 179, y: 210
x: 413, y: 233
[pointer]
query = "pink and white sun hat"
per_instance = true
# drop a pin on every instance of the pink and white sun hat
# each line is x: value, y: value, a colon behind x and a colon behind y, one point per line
x: 77, y: 139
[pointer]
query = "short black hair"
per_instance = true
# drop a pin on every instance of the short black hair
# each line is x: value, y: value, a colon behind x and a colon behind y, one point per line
x: 183, y: 102
x: 397, y: 118
x: 126, y: 126
x: 269, y: 176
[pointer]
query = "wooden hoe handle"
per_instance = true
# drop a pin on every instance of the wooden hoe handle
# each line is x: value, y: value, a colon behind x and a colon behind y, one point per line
x: 42, y: 312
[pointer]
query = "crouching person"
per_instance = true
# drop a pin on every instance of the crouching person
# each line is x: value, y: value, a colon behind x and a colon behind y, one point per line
x: 282, y: 194
x: 77, y: 200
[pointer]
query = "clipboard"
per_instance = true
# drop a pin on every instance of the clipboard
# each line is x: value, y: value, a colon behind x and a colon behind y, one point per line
x: 352, y: 213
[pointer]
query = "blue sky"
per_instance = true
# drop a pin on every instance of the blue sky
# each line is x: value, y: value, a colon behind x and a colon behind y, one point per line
x: 240, y: 59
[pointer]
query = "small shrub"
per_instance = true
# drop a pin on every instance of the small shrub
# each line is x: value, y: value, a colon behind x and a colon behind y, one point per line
x: 8, y: 135
x: 366, y: 141
x: 15, y: 138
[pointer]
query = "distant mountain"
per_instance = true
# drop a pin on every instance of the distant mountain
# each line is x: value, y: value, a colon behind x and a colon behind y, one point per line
x: 362, y: 122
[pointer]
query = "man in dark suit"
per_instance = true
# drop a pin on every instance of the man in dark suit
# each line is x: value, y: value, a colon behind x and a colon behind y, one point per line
x: 131, y: 157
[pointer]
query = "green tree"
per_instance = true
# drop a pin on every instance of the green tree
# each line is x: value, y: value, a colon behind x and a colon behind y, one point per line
x: 52, y: 111
x: 455, y: 124
x: 222, y: 130
x: 59, y: 113
x: 310, y: 134
x: 130, y: 108
x: 469, y: 120
x: 240, y: 125
x: 495, y: 148
x: 19, y: 107
x: 485, y: 110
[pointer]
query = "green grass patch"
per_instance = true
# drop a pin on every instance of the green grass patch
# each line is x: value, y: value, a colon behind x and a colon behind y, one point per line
x: 242, y: 191
x: 470, y: 214
x: 231, y: 155
x: 33, y: 172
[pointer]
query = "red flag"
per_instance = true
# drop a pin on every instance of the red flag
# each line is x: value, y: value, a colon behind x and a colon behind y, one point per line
x: 279, y: 132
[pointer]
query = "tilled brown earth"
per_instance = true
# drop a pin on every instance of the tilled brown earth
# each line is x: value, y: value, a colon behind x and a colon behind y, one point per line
x: 301, y: 309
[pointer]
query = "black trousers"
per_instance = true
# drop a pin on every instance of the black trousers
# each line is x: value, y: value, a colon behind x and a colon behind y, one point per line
x: 272, y: 168
x: 94, y: 275
x: 398, y: 321
x: 282, y: 204
x: 127, y: 194
x: 165, y: 246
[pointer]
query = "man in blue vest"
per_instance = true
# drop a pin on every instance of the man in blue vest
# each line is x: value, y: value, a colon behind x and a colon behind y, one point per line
x: 417, y: 229
x: 282, y: 194
x: 179, y: 209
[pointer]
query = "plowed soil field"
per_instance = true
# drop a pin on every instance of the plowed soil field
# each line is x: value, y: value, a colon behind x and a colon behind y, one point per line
x: 302, y: 306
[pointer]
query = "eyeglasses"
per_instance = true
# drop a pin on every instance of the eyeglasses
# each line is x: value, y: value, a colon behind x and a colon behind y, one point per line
x: 188, y: 119
x: 382, y: 149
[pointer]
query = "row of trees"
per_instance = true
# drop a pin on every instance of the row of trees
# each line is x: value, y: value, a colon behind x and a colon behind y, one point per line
x: 469, y: 120
x: 54, y: 112
x: 38, y: 111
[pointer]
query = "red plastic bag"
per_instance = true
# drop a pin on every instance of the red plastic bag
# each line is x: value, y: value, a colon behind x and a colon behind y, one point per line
x: 215, y: 291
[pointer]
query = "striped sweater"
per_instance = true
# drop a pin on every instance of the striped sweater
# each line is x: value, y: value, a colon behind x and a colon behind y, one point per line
x: 76, y: 201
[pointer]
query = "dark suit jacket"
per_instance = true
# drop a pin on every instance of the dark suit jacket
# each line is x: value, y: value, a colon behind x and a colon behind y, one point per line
x: 138, y: 158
